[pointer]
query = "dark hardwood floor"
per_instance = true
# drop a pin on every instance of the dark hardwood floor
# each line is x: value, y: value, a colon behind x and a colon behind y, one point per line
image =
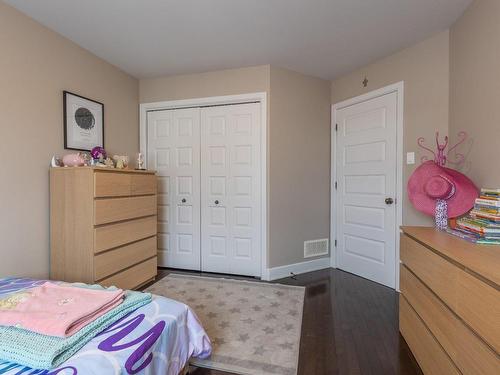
x: 350, y: 326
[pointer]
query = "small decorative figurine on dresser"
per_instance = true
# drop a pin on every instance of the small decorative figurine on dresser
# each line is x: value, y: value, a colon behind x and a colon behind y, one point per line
x: 99, y: 155
x: 56, y: 162
x: 439, y: 191
x: 74, y: 160
x: 121, y: 161
x: 140, y: 162
x: 79, y: 159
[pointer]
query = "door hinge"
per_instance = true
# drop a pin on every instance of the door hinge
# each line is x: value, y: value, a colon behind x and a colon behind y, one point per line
x: 335, y: 243
x: 336, y: 127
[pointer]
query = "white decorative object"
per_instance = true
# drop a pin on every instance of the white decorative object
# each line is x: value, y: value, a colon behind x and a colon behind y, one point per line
x: 109, y: 163
x: 140, y: 161
x: 56, y: 162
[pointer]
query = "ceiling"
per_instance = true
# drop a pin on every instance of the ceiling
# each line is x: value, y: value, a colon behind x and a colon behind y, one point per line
x: 323, y: 38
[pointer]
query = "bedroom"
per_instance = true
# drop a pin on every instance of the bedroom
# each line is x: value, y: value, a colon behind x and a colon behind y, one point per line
x: 291, y: 71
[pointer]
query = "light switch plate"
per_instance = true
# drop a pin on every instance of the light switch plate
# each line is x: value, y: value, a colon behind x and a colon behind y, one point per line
x: 410, y: 158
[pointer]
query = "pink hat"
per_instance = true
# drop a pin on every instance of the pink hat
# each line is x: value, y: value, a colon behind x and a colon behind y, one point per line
x: 430, y: 182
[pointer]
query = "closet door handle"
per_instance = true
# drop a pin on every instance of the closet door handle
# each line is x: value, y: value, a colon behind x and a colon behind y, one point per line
x: 216, y: 202
x: 183, y: 200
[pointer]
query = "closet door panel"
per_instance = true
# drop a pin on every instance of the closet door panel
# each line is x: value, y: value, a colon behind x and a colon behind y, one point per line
x: 230, y: 180
x: 215, y: 162
x: 174, y: 151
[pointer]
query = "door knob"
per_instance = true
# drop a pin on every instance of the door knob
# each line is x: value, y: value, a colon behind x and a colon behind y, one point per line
x: 216, y: 202
x: 183, y: 200
x: 389, y: 201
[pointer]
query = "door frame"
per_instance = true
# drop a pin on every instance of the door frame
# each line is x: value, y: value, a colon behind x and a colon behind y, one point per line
x: 260, y: 97
x: 399, y: 89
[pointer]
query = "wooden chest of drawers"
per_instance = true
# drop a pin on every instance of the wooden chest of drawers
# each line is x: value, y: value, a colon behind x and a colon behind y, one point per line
x: 450, y: 302
x: 103, y: 226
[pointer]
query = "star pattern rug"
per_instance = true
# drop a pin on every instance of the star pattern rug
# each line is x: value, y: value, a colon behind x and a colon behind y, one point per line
x: 254, y: 326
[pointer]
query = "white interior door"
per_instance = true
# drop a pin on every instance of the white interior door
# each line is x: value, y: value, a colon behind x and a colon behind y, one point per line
x: 366, y: 188
x: 174, y: 152
x: 231, y: 189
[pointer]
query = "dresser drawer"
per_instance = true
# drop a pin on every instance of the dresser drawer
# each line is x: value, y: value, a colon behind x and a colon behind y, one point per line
x: 116, y: 184
x: 114, y: 235
x: 473, y: 300
x: 429, y: 354
x: 113, y: 261
x: 142, y: 184
x: 109, y: 210
x: 469, y: 353
x: 134, y: 276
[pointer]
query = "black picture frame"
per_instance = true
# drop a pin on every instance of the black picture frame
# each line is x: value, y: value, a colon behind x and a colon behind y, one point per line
x: 67, y: 145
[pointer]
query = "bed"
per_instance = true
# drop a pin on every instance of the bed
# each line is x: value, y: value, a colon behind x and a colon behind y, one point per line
x: 158, y: 338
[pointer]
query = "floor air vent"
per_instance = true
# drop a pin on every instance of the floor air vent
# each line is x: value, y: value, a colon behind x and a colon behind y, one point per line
x: 315, y: 248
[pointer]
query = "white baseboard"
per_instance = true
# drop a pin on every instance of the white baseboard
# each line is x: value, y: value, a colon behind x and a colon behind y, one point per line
x: 297, y: 268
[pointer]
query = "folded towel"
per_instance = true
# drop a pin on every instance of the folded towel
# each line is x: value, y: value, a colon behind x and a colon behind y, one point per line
x: 57, y: 309
x: 45, y: 352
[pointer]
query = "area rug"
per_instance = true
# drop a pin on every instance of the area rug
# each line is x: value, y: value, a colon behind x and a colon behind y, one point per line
x: 254, y: 326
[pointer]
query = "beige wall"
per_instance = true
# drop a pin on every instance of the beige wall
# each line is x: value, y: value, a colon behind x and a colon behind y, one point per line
x: 36, y: 64
x: 424, y: 68
x: 475, y: 88
x: 299, y: 164
x: 222, y: 82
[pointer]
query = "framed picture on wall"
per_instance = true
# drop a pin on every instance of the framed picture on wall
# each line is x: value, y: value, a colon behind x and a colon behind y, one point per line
x: 83, y: 122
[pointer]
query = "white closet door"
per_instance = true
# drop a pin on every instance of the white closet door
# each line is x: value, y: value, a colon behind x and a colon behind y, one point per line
x: 231, y: 189
x: 174, y: 152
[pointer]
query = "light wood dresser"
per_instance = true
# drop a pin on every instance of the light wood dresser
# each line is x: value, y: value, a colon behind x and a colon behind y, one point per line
x: 450, y: 302
x: 103, y: 226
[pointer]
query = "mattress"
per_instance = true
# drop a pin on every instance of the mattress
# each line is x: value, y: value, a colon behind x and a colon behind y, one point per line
x: 158, y: 338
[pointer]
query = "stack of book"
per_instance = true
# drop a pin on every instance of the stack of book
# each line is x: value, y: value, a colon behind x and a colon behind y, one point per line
x: 482, y: 224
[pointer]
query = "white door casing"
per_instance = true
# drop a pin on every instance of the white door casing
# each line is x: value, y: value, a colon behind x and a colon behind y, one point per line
x: 231, y: 189
x: 366, y: 163
x: 174, y: 152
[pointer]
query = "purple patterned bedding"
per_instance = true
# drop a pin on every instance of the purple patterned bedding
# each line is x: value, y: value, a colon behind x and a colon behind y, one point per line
x: 158, y: 338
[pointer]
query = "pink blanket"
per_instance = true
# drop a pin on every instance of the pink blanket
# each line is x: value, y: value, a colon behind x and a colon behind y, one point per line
x: 57, y: 310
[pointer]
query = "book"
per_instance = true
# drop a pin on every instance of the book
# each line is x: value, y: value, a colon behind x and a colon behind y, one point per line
x: 490, y: 191
x: 489, y: 237
x: 488, y: 242
x: 477, y: 228
x: 484, y: 222
x: 480, y: 225
x: 487, y: 209
x: 461, y: 235
x: 491, y: 200
x: 494, y: 198
x: 486, y: 212
x: 465, y: 228
x: 488, y: 202
x: 468, y: 232
x: 477, y: 214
